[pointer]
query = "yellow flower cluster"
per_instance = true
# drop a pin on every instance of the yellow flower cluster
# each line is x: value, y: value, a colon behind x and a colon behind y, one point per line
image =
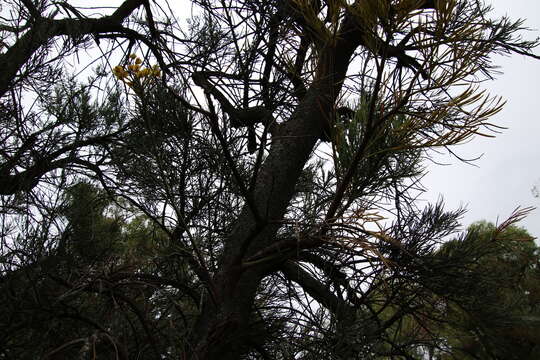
x: 133, y: 75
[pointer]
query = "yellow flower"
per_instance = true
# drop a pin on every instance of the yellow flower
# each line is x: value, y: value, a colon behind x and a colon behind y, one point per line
x: 133, y: 56
x: 143, y: 73
x: 119, y: 72
x: 138, y: 61
x: 156, y: 71
x: 134, y: 67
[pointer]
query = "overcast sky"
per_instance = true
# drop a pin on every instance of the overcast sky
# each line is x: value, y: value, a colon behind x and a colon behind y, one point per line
x: 510, y: 165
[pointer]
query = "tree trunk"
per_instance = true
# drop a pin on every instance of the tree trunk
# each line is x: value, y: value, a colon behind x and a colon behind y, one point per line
x: 223, y: 328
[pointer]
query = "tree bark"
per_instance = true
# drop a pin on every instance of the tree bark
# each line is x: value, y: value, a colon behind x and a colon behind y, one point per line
x: 223, y: 328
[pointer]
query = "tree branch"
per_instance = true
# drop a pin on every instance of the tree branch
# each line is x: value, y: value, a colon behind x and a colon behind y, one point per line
x: 44, y: 29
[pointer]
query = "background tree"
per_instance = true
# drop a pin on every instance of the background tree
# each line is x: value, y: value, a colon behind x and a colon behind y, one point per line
x: 102, y: 289
x: 500, y: 319
x: 267, y: 151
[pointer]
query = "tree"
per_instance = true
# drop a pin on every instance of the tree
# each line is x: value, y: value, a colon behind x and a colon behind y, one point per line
x: 267, y: 141
x: 502, y: 321
x: 105, y: 288
x: 489, y: 300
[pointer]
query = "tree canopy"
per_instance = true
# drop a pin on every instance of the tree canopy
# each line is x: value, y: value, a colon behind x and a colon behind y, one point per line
x: 242, y: 185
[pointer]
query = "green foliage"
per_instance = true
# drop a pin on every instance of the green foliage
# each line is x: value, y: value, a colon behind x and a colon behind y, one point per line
x: 90, y: 278
x: 90, y: 234
x: 190, y: 209
x: 71, y: 103
x: 373, y: 152
x: 495, y: 313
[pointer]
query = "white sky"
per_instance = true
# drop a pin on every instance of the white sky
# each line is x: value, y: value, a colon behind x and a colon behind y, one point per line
x: 510, y: 165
